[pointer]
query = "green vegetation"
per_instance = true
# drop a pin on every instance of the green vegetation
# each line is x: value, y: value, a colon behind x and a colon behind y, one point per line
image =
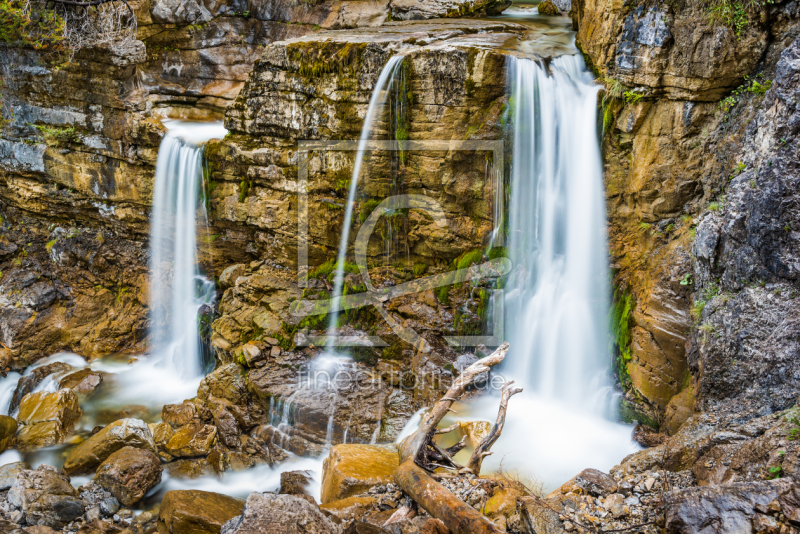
x: 419, y: 269
x: 632, y: 97
x: 58, y: 136
x: 30, y: 25
x: 709, y: 292
x: 50, y: 244
x: 621, y: 309
x: 736, y: 14
x: 328, y: 269
x: 367, y: 208
x: 793, y: 418
x: 687, y: 280
x: 468, y: 258
x: 750, y: 85
x: 244, y: 189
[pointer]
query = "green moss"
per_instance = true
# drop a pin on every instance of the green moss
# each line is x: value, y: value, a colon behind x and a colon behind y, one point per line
x: 367, y: 208
x: 419, y: 269
x: 621, y: 308
x: 49, y: 245
x: 58, y: 136
x: 244, y: 190
x: 469, y: 258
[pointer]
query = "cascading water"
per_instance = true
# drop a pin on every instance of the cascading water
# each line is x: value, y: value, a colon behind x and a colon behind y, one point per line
x: 376, y: 101
x: 178, y: 289
x: 557, y: 295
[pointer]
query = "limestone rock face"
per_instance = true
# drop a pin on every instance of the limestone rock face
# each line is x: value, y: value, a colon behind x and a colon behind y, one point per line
x: 734, y: 506
x: 678, y: 53
x: 199, y: 512
x: 352, y: 469
x: 46, y: 418
x: 279, y: 514
x: 129, y: 473
x: 46, y: 497
x: 123, y: 433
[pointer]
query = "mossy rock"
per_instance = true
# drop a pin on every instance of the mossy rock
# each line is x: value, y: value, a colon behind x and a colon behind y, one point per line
x: 549, y: 9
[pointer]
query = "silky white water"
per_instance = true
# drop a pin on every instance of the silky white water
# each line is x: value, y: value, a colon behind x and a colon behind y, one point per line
x: 376, y: 102
x: 557, y: 295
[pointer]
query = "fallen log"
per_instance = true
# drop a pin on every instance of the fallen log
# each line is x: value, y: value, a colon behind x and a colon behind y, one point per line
x: 418, y: 453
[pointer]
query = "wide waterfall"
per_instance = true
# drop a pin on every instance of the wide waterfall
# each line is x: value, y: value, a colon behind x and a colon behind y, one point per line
x: 177, y: 288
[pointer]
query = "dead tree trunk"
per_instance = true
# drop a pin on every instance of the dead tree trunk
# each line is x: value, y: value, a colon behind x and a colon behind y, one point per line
x: 419, y: 448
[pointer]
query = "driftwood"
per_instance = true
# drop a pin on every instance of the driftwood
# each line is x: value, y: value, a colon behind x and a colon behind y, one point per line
x: 419, y: 455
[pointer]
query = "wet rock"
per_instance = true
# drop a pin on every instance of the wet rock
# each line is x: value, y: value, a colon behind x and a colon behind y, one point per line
x: 46, y: 497
x: 194, y: 439
x: 198, y: 512
x: 177, y: 415
x: 475, y: 431
x: 548, y: 8
x: 279, y: 514
x: 129, y: 473
x: 99, y: 502
x: 123, y: 433
x: 8, y: 429
x: 9, y: 472
x: 352, y: 469
x: 502, y: 502
x: 190, y: 468
x: 227, y: 428
x: 295, y: 482
x: 728, y: 508
x: 29, y: 382
x: 46, y: 418
x: 398, y: 410
x: 83, y: 382
x: 162, y: 433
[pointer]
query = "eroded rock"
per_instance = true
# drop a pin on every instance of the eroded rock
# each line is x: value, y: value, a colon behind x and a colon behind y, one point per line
x: 46, y: 418
x: 199, y: 512
x: 279, y: 514
x: 129, y: 473
x: 123, y: 433
x: 46, y: 497
x: 352, y: 469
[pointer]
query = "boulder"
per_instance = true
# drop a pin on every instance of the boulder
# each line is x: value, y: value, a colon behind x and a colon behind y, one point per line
x: 194, y: 439
x: 190, y: 468
x: 353, y: 508
x: 9, y: 472
x: 548, y: 8
x: 228, y: 276
x: 45, y: 419
x: 162, y: 433
x: 8, y: 429
x: 294, y: 483
x: 679, y: 410
x: 728, y: 508
x: 196, y: 512
x: 123, y: 433
x: 129, y: 473
x: 595, y: 482
x: 265, y: 513
x: 540, y: 519
x: 29, y: 382
x: 46, y: 497
x: 352, y: 469
x: 83, y: 382
x: 179, y: 414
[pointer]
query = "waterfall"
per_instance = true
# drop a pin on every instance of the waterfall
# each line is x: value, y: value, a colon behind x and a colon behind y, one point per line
x: 557, y: 296
x: 376, y: 101
x: 177, y: 288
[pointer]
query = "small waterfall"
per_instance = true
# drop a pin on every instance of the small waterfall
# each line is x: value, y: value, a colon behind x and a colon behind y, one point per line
x: 557, y: 295
x: 177, y: 288
x: 376, y: 101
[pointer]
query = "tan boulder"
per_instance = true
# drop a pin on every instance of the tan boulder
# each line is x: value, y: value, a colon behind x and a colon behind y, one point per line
x: 475, y: 431
x: 265, y: 513
x: 351, y: 507
x: 129, y: 473
x: 46, y: 418
x: 84, y: 381
x: 123, y: 433
x: 350, y: 469
x: 8, y: 429
x: 196, y: 512
x: 194, y: 439
x: 179, y: 414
